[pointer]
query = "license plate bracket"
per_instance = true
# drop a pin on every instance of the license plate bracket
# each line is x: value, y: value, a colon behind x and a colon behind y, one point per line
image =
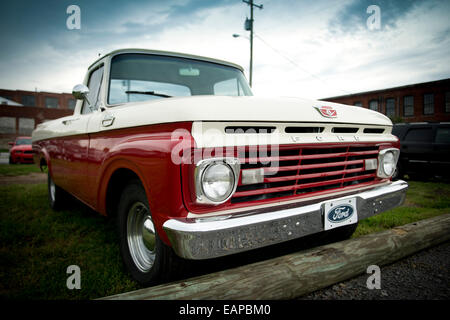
x: 340, y: 213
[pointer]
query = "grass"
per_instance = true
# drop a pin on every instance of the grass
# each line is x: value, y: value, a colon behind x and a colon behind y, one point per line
x: 37, y: 244
x: 12, y: 170
x: 424, y: 200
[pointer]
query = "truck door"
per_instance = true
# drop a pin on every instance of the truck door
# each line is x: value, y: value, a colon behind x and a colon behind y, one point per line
x: 77, y: 145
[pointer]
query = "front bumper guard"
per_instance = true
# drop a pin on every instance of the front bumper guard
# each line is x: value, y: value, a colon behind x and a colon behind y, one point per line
x: 198, y: 239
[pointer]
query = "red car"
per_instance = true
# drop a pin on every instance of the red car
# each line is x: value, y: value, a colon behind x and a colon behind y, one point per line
x: 21, y: 151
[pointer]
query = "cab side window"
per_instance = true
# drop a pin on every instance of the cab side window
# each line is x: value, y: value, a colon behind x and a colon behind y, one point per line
x: 443, y: 135
x: 420, y: 135
x: 94, y: 85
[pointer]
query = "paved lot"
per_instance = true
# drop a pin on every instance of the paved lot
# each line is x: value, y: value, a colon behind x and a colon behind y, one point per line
x: 423, y: 276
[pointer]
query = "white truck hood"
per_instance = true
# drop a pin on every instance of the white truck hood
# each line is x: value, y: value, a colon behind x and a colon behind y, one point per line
x: 211, y: 115
x: 242, y: 109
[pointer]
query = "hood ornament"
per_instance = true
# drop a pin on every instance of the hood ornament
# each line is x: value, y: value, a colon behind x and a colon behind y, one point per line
x: 326, y: 111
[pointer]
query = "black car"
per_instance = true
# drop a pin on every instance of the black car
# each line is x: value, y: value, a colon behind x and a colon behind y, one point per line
x: 425, y: 149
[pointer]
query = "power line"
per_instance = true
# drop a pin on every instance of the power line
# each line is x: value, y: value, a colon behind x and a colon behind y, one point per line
x: 295, y: 64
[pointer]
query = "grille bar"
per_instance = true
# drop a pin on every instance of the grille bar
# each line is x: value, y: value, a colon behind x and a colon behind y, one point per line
x: 313, y: 175
x: 313, y: 166
x: 307, y: 157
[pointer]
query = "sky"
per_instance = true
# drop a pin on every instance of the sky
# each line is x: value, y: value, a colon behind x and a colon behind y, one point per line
x: 311, y: 49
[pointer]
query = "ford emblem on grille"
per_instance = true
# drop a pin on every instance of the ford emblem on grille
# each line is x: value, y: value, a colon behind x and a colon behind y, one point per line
x: 340, y: 213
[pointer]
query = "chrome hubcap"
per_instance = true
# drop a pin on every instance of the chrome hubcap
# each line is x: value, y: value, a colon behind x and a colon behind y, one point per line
x: 141, y: 236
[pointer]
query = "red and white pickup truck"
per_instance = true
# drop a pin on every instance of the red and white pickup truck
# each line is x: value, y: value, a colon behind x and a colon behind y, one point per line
x: 194, y: 167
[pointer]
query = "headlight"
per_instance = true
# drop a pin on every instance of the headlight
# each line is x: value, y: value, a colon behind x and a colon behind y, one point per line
x: 387, y: 160
x: 216, y: 179
x: 389, y: 163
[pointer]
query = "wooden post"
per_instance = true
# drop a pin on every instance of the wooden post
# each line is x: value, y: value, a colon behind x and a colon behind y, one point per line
x: 297, y: 274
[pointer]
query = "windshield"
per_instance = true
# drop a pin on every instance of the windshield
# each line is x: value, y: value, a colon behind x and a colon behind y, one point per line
x: 140, y: 77
x: 23, y: 142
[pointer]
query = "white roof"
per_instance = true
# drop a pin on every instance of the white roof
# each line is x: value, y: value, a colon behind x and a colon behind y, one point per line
x: 167, y: 53
x: 4, y: 101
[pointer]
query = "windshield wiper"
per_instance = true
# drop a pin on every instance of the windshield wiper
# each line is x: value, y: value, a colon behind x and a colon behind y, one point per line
x: 152, y: 93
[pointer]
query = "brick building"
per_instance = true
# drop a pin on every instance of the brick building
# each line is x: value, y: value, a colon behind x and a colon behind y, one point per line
x: 40, y: 99
x: 421, y: 102
x: 21, y: 111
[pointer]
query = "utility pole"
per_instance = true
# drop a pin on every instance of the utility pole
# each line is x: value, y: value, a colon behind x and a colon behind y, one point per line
x: 249, y: 27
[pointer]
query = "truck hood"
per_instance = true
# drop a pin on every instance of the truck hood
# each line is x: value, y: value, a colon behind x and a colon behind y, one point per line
x: 241, y: 109
x: 219, y: 112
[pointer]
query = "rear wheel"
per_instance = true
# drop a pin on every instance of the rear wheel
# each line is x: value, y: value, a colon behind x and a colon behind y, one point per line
x: 146, y: 257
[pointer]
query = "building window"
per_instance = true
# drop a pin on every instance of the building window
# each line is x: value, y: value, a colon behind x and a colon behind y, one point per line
x: 428, y: 103
x: 373, y: 105
x: 28, y: 100
x: 358, y: 104
x: 71, y: 104
x: 7, y: 125
x: 390, y: 107
x: 408, y: 106
x: 52, y: 103
x: 26, y: 126
x: 447, y: 101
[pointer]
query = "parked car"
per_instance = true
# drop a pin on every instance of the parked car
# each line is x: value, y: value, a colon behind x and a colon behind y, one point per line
x: 425, y: 149
x: 192, y: 166
x: 21, y: 150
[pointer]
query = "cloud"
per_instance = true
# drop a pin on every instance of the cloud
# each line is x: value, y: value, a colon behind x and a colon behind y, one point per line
x: 353, y: 16
x: 315, y: 50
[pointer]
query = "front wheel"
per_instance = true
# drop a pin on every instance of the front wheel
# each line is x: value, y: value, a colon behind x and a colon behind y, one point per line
x: 56, y: 196
x: 146, y: 257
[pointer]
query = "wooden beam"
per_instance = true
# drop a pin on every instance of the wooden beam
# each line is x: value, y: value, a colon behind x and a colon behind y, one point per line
x: 297, y: 274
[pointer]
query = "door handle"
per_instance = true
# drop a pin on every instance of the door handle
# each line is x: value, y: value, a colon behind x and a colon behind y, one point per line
x: 108, y: 120
x: 69, y: 121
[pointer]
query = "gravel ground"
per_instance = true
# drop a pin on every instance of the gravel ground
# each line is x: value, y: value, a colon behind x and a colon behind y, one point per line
x: 423, y: 276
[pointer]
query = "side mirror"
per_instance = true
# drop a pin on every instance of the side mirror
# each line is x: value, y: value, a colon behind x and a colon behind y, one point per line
x: 11, y: 143
x: 80, y: 92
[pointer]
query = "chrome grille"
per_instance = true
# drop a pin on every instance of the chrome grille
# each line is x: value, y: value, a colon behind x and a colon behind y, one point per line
x: 300, y: 171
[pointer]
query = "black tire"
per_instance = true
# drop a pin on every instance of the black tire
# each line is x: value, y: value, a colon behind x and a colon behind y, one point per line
x: 57, y: 197
x: 137, y: 253
x: 341, y: 233
x: 11, y: 160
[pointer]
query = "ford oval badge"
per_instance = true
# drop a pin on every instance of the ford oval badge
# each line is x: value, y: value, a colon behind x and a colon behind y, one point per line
x: 340, y: 213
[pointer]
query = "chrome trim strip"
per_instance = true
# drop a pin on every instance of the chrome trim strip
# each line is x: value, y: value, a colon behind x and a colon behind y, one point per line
x: 204, y: 239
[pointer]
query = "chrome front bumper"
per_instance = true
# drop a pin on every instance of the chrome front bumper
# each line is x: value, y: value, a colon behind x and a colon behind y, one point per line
x: 210, y: 238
